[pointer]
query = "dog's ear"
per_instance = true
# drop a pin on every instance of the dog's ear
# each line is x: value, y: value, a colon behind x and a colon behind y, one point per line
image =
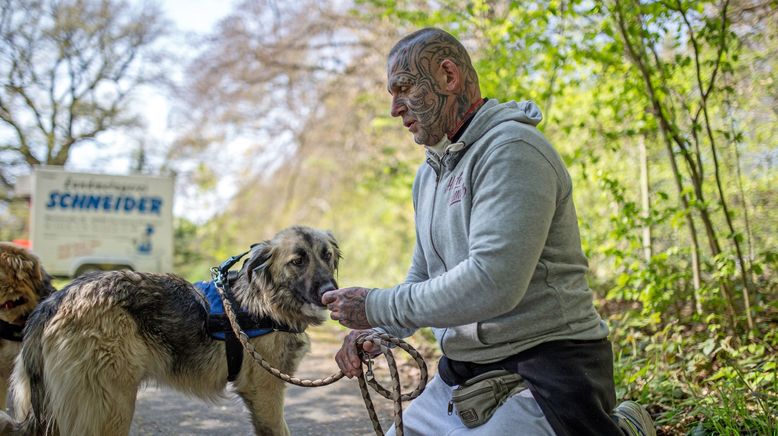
x: 47, y: 288
x: 259, y: 263
x: 335, y: 249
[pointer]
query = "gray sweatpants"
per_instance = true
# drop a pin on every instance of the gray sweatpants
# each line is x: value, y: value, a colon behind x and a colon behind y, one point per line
x: 428, y: 416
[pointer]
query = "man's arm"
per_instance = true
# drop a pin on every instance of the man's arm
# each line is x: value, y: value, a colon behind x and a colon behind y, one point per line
x: 514, y: 200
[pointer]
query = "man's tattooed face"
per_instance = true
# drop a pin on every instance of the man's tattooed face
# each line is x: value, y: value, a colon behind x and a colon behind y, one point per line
x: 417, y: 97
x: 432, y: 84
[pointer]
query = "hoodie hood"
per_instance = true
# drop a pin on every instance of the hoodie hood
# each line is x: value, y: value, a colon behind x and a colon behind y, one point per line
x: 493, y: 113
x: 490, y: 115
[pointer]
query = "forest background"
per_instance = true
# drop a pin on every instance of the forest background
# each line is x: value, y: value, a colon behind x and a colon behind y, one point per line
x: 665, y: 112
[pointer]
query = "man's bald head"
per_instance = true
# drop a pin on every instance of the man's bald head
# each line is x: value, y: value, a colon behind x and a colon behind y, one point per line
x: 433, y: 82
x: 435, y: 44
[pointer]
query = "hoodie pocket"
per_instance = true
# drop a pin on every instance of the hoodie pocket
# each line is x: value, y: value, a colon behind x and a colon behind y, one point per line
x: 460, y: 338
x: 540, y: 313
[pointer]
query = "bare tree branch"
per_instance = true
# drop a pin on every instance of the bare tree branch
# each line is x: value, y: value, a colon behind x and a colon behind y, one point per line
x: 68, y: 68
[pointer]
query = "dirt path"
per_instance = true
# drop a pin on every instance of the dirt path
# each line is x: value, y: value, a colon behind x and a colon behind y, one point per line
x: 336, y: 409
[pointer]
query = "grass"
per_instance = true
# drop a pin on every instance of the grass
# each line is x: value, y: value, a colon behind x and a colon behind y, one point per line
x: 697, y: 380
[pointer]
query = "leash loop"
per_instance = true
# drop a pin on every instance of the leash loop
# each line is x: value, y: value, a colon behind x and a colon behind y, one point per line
x: 383, y: 341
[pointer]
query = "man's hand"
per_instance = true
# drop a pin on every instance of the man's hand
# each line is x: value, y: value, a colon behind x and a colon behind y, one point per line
x: 348, y: 356
x: 347, y: 306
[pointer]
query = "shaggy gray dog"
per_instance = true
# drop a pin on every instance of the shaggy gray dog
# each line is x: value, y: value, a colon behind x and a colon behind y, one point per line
x: 89, y: 347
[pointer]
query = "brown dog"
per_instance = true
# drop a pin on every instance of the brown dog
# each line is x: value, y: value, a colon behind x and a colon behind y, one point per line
x: 23, y: 284
x: 89, y: 347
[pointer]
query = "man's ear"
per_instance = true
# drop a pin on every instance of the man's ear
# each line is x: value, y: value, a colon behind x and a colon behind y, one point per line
x: 453, y: 75
x: 259, y: 263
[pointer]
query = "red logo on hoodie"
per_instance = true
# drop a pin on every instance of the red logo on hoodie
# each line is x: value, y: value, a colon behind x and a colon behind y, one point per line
x: 457, y: 188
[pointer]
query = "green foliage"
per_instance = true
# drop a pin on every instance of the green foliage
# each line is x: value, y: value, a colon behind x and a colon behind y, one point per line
x: 14, y: 219
x: 673, y: 76
x: 375, y: 222
x: 60, y: 283
x: 190, y: 261
x: 682, y: 260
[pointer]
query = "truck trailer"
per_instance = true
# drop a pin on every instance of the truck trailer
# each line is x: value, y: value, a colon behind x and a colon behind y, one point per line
x: 82, y: 222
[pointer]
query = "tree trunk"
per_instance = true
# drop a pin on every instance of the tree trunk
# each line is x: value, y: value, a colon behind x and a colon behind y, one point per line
x: 645, y: 200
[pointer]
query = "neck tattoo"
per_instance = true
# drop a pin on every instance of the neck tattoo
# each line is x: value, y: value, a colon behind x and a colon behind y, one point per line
x: 467, y: 115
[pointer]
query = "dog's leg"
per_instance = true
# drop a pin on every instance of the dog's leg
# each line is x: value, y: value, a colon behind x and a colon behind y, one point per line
x: 264, y: 393
x: 264, y: 397
x: 4, y: 376
x: 3, y: 392
x: 8, y: 352
x: 93, y: 364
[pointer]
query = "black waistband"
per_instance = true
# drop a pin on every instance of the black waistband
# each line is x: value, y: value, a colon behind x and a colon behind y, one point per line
x: 455, y: 372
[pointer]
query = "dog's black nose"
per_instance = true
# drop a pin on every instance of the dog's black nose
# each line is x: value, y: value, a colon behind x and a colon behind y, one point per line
x: 330, y: 285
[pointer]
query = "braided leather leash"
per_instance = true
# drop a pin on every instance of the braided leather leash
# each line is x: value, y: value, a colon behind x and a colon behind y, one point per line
x: 381, y: 340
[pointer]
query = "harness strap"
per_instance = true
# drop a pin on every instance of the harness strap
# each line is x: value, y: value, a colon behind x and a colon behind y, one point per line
x: 218, y: 323
x: 234, y: 352
x: 232, y: 346
x: 11, y: 332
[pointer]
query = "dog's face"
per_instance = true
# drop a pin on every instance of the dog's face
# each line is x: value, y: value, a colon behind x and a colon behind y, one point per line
x: 290, y: 273
x: 21, y: 282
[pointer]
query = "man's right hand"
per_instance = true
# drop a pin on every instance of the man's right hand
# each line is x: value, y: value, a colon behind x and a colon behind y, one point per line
x: 348, y: 357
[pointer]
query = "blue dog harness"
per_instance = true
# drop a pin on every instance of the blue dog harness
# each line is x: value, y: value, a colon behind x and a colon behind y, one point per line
x: 218, y: 324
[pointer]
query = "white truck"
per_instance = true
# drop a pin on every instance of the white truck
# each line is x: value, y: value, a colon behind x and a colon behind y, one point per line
x: 84, y: 222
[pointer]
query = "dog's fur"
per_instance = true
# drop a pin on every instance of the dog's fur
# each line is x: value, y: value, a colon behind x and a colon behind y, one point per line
x: 88, y: 348
x: 23, y: 284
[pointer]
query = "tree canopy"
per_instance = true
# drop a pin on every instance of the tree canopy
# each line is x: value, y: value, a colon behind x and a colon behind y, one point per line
x: 68, y: 71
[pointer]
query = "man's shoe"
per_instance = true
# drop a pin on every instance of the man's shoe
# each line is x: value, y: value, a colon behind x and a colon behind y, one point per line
x: 633, y: 419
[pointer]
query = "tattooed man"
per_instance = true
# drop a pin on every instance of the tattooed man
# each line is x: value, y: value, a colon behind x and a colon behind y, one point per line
x: 498, y: 271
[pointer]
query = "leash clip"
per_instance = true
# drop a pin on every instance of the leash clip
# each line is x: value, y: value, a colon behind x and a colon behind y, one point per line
x: 369, y: 373
x: 219, y: 273
x: 216, y: 276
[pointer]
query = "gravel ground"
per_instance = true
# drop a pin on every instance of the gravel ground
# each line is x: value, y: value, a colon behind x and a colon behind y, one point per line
x: 336, y: 409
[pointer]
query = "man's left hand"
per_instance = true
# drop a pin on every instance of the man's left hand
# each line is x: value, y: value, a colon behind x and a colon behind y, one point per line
x: 347, y: 306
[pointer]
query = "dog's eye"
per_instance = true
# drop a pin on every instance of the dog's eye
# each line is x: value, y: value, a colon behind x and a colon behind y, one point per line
x: 326, y: 255
x: 297, y: 261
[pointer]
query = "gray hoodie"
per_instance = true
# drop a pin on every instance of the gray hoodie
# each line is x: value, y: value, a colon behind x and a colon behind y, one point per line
x: 498, y: 266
